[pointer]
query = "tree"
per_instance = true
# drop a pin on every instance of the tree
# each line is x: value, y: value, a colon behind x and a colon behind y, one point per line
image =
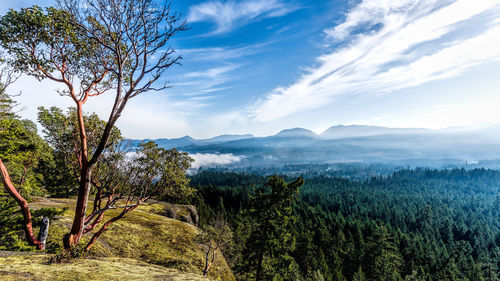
x: 270, y: 238
x: 126, y: 182
x: 121, y: 179
x: 384, y: 255
x: 7, y: 104
x: 21, y: 148
x: 217, y: 236
x: 107, y: 46
x: 8, y: 212
x: 61, y: 132
x: 359, y: 275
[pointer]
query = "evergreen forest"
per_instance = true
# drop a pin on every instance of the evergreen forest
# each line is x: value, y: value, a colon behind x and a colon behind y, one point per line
x: 416, y: 224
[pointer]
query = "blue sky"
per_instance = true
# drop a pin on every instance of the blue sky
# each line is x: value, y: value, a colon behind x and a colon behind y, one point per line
x: 260, y: 66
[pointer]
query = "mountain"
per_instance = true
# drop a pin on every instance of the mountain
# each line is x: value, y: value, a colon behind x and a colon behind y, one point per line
x: 173, y: 143
x: 296, y: 132
x: 165, y: 143
x: 189, y: 141
x: 352, y: 131
x: 424, y: 150
x: 225, y: 138
x: 348, y: 144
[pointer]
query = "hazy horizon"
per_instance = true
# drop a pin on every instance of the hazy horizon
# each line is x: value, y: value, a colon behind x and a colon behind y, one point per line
x: 470, y: 128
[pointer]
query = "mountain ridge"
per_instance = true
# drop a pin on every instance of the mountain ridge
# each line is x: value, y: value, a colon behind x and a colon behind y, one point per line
x: 295, y: 132
x: 354, y: 143
x: 346, y: 131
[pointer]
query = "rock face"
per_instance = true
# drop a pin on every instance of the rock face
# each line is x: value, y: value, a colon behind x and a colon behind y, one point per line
x: 168, y: 246
x: 185, y: 213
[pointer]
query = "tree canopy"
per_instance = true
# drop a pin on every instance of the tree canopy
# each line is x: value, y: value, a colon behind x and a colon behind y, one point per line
x: 91, y: 47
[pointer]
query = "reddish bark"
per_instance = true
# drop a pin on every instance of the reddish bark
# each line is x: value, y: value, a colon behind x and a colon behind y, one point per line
x: 81, y: 207
x: 77, y: 229
x: 97, y: 203
x: 207, y: 263
x: 96, y: 221
x: 135, y: 69
x: 106, y: 225
x: 23, y: 204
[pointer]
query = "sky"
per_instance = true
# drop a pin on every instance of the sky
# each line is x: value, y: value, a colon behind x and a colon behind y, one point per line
x: 261, y: 66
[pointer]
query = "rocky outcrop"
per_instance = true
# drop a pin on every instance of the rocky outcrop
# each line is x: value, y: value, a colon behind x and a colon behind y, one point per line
x: 185, y: 213
x: 169, y: 247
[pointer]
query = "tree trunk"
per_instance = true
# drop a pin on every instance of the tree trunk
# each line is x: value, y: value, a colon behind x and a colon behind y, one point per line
x: 208, y: 264
x: 81, y: 207
x: 44, y: 231
x: 23, y: 204
x: 205, y: 271
x: 73, y: 237
x: 259, y: 267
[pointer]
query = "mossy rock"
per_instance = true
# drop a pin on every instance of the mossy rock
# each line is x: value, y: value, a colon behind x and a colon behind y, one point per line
x: 143, y: 235
x: 184, y: 213
x: 38, y: 267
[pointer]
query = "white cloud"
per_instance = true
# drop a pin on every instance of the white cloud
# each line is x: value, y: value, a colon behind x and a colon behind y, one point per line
x: 210, y: 159
x: 391, y: 45
x: 230, y: 14
x: 212, y: 73
x: 371, y: 13
x: 200, y: 83
x: 224, y: 53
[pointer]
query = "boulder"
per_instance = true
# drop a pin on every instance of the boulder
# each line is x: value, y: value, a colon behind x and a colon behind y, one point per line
x: 185, y: 213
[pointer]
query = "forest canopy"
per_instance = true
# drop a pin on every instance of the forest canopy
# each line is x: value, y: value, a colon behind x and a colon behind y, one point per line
x: 411, y: 225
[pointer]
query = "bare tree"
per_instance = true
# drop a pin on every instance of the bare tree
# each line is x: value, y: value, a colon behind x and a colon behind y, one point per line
x: 7, y: 78
x: 217, y: 236
x: 119, y: 46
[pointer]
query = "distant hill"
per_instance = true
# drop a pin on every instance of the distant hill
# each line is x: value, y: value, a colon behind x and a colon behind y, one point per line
x: 179, y: 142
x: 225, y: 138
x: 296, y: 132
x: 348, y: 144
x: 189, y: 141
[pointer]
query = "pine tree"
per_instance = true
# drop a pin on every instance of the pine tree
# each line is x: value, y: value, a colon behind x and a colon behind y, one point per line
x: 271, y: 240
x: 359, y: 275
x: 385, y: 256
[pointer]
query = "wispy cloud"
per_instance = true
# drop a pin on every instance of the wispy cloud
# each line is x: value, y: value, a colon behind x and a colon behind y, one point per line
x: 212, y: 73
x: 205, y: 81
x: 222, y: 53
x: 391, y: 45
x: 230, y: 14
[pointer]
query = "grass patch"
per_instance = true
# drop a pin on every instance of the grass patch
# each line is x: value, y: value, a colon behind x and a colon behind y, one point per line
x: 37, y: 267
x: 142, y: 235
